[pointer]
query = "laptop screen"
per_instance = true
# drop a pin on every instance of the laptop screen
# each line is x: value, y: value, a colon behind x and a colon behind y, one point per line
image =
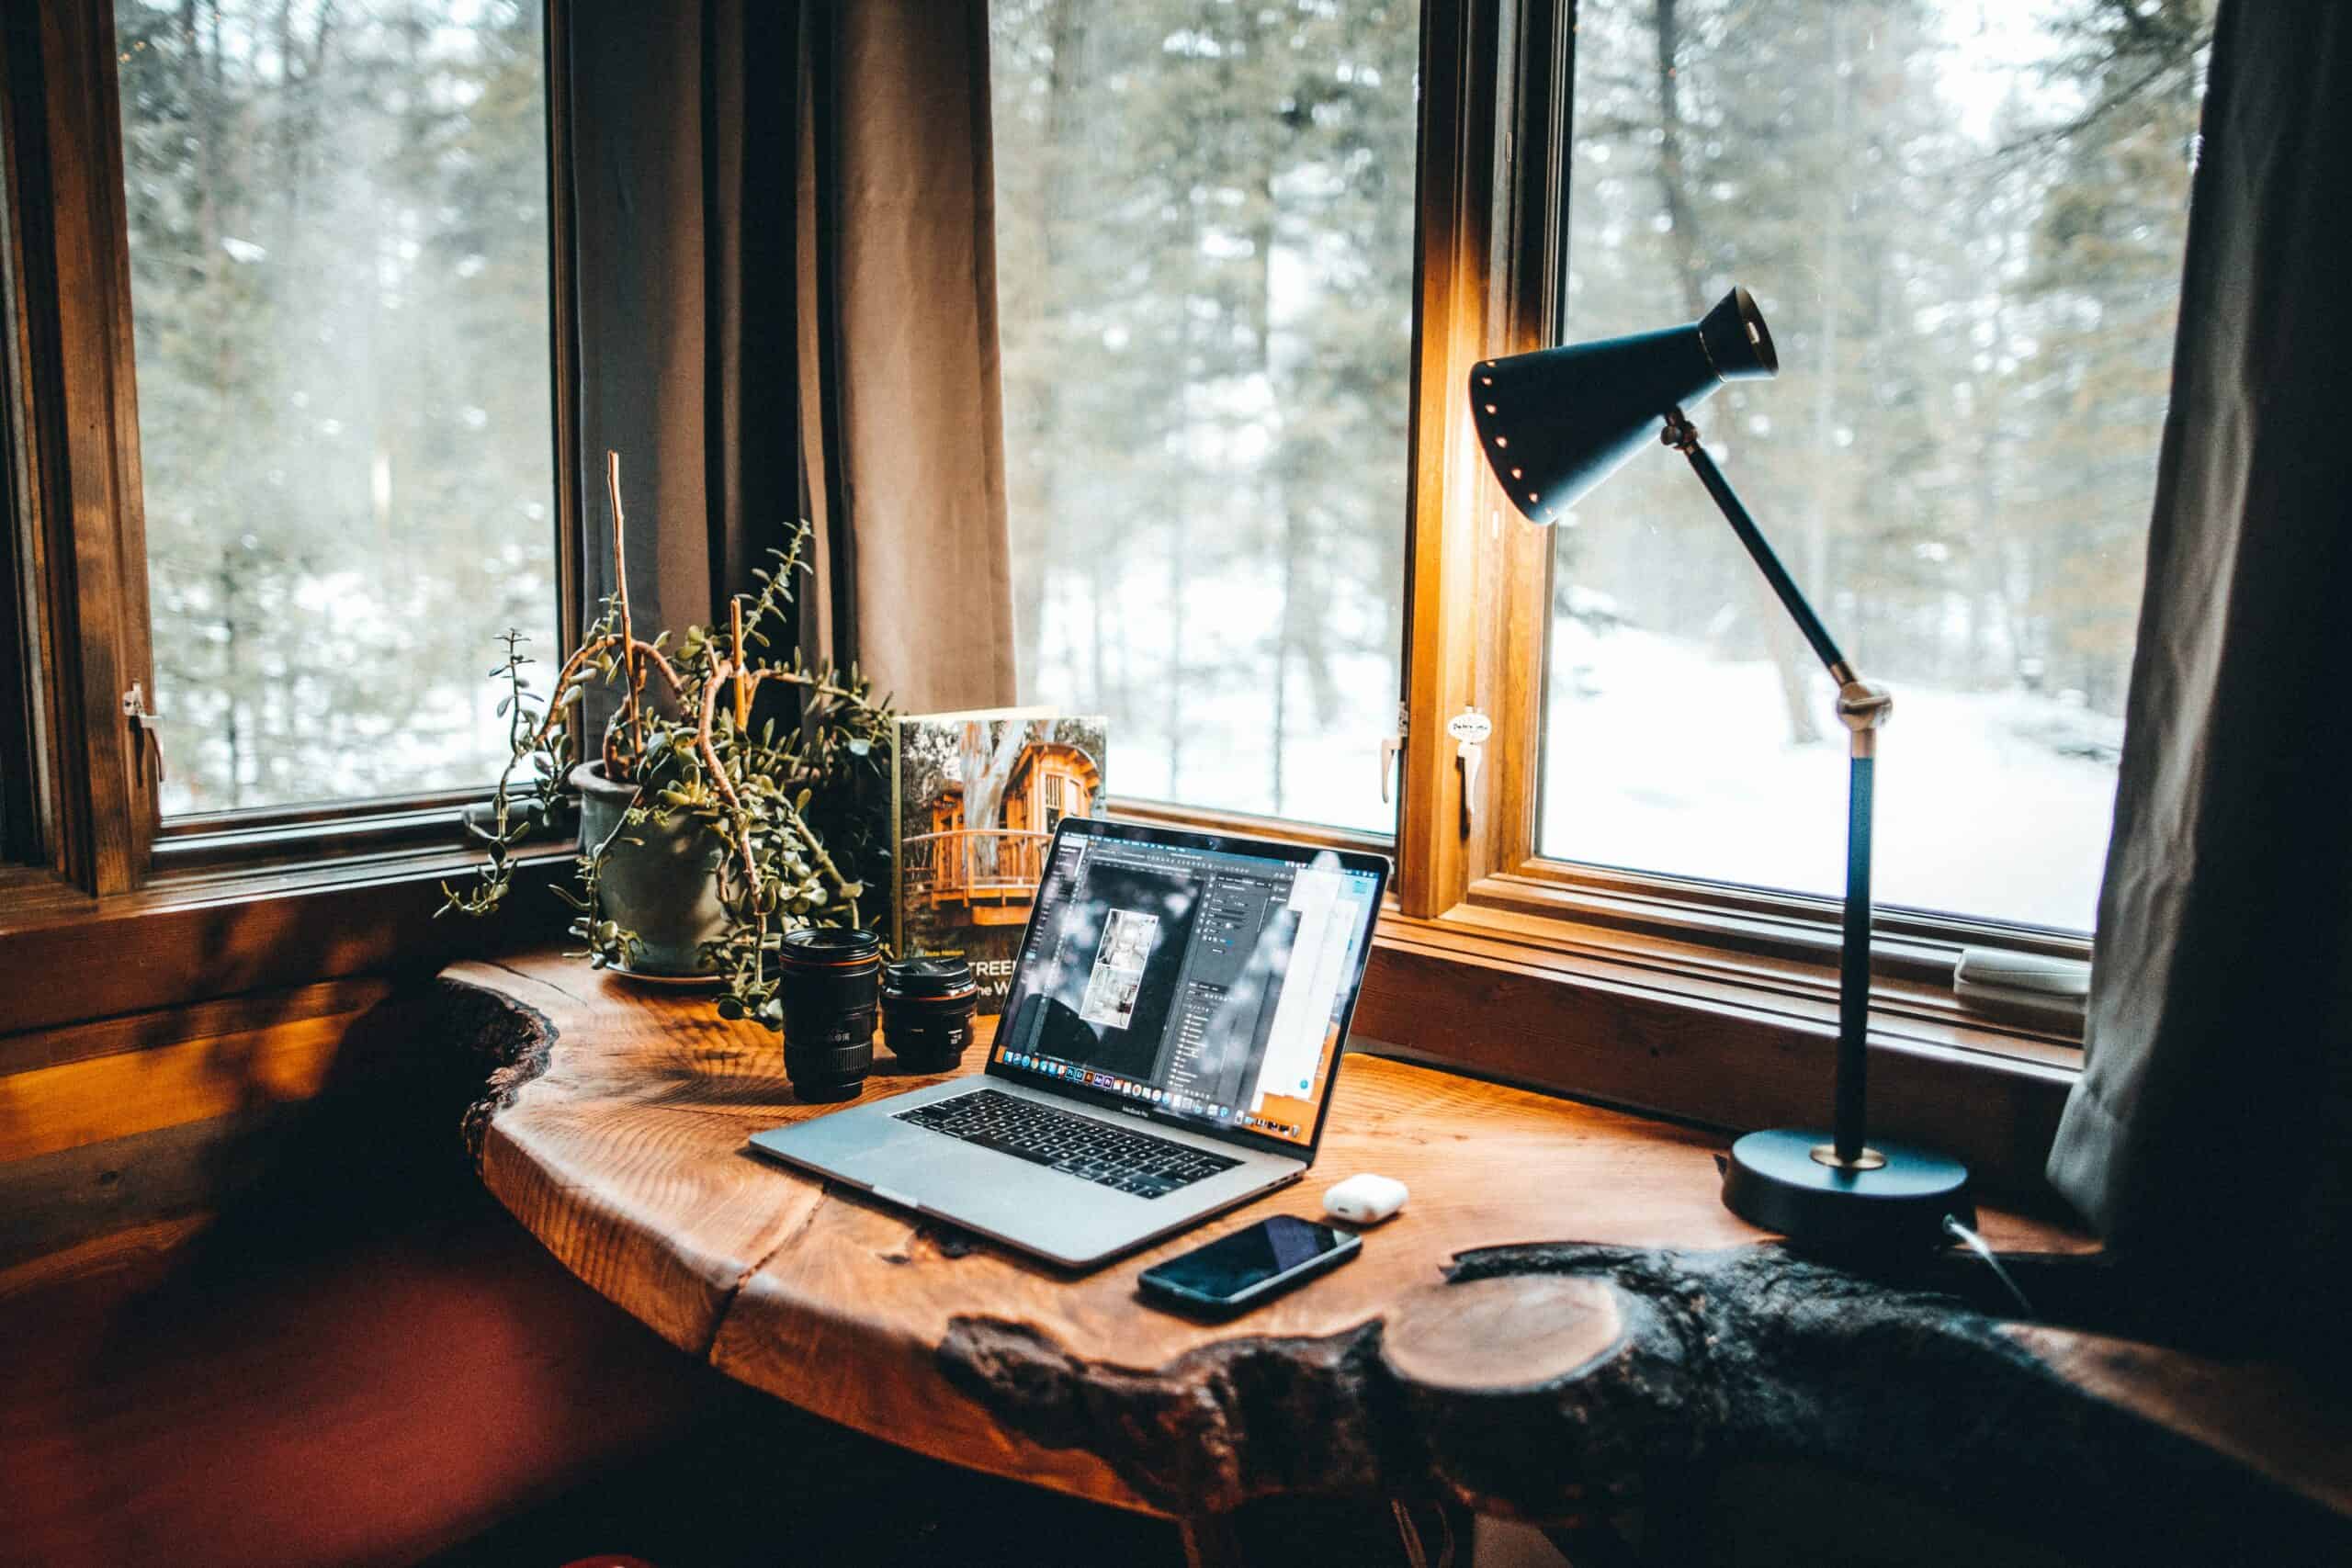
x: 1205, y: 980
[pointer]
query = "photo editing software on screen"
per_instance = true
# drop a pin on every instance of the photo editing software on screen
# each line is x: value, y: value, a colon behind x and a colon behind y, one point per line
x: 1203, y: 983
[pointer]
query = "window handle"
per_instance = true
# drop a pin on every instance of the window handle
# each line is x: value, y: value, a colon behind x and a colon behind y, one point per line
x: 1470, y: 729
x: 1391, y: 746
x: 144, y: 720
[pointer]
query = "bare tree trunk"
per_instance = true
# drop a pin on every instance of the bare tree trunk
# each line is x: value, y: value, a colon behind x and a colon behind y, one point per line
x: 1040, y: 511
x: 1287, y: 637
x: 1779, y: 638
x: 987, y: 763
x: 1989, y: 543
x: 1672, y: 180
x: 1180, y: 540
x: 233, y: 675
x: 1172, y: 677
x: 203, y: 61
x: 1836, y: 200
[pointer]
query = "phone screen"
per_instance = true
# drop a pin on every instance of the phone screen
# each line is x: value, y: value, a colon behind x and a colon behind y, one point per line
x: 1230, y: 1265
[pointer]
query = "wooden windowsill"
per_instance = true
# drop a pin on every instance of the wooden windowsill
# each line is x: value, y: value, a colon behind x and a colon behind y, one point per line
x: 1778, y: 965
x: 1248, y: 825
x: 1687, y: 1033
x: 66, y: 957
x: 297, y: 836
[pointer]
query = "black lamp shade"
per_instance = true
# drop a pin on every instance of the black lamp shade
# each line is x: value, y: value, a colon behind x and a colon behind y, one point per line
x: 1557, y: 422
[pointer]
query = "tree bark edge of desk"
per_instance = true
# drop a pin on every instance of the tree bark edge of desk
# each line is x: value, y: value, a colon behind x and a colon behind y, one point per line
x: 1705, y: 1361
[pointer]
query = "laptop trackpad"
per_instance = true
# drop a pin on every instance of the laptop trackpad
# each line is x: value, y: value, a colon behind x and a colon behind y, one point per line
x: 834, y: 1141
x: 946, y: 1176
x: 872, y: 1148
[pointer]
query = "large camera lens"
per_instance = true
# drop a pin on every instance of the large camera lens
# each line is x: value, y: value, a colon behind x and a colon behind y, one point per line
x: 828, y: 981
x: 927, y: 1013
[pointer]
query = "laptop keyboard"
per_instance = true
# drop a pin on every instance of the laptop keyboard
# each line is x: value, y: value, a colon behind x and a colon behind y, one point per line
x: 1093, y: 1151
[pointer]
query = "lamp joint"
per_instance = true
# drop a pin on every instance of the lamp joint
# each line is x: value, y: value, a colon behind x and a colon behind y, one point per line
x: 1679, y: 433
x: 1864, y: 707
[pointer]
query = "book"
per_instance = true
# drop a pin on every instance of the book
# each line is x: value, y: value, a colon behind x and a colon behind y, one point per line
x: 974, y: 797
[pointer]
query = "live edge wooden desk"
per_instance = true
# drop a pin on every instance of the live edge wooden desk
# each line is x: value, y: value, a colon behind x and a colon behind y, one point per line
x: 1562, y: 1315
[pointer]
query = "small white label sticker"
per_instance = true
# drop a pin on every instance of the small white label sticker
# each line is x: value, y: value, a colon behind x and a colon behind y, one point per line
x: 1470, y: 727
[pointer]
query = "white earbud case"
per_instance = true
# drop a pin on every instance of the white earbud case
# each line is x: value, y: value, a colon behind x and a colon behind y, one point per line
x: 1364, y: 1200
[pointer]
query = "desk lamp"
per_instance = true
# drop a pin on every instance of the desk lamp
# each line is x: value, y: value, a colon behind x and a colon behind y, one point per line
x: 1556, y: 422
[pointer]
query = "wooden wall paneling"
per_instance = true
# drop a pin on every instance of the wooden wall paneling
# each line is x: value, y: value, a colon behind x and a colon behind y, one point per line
x: 156, y: 1189
x: 121, y: 1094
x: 165, y: 1114
x: 245, y: 1265
x: 106, y: 1036
x: 190, y: 1111
x: 374, y: 1401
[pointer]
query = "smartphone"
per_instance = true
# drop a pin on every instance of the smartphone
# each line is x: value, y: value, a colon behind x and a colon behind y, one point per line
x: 1251, y: 1266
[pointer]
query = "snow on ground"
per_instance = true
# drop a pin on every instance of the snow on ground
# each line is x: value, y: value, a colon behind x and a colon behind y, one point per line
x: 1662, y: 758
x: 1330, y: 770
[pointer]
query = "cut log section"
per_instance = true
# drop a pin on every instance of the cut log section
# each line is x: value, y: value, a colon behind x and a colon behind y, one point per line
x: 1464, y: 1357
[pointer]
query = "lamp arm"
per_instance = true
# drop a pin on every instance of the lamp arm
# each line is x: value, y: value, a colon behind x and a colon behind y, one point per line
x: 1863, y: 707
x: 1683, y: 436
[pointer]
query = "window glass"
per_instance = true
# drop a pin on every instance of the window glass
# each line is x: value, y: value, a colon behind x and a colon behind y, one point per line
x: 1205, y: 263
x: 339, y: 253
x: 1964, y: 222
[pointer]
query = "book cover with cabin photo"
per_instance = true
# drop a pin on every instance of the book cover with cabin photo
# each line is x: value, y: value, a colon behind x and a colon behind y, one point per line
x: 973, y: 800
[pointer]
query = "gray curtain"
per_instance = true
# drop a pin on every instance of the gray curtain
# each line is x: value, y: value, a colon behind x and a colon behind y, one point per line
x: 908, y: 481
x: 2211, y: 1131
x: 747, y: 192
x: 682, y: 146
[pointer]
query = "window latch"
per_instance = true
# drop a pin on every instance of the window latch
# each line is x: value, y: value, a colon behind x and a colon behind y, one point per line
x: 144, y: 720
x: 1469, y: 729
x: 1390, y: 745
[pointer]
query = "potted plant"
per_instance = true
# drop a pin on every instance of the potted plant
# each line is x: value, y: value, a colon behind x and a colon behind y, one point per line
x: 699, y: 844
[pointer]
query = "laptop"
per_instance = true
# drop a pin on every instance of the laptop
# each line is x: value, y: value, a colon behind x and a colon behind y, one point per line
x: 1168, y: 1042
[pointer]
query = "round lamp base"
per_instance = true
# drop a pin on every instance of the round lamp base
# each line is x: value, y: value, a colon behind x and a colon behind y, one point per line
x: 1893, y: 1199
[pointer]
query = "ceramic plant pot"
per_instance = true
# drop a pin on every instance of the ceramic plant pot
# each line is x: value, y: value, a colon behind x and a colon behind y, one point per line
x: 660, y: 882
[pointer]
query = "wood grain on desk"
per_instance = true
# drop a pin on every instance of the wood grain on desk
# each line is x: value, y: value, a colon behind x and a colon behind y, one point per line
x: 1563, y: 1301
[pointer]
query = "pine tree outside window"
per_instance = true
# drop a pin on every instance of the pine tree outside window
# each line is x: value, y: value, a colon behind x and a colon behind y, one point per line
x: 1964, y: 223
x: 338, y: 234
x: 1206, y: 270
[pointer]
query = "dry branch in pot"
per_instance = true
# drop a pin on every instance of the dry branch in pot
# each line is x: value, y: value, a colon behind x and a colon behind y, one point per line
x: 684, y: 737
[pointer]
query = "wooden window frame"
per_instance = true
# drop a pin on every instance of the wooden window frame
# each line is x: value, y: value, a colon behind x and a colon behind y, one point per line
x: 1503, y: 879
x: 220, y: 904
x: 75, y: 439
x: 78, y: 505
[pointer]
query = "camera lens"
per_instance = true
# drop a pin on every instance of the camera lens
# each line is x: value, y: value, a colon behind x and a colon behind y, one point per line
x: 927, y: 1006
x: 828, y: 981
